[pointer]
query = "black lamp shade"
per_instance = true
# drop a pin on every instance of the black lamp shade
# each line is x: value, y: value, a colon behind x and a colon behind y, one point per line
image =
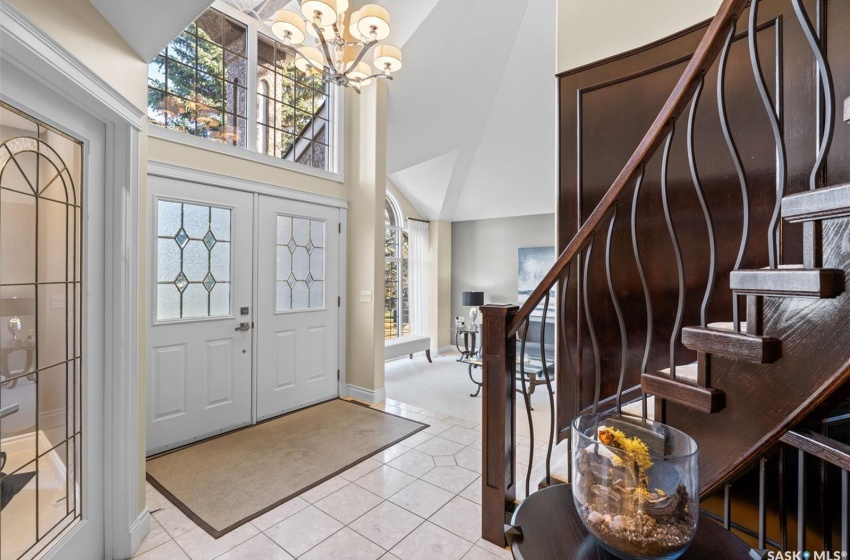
x: 473, y: 299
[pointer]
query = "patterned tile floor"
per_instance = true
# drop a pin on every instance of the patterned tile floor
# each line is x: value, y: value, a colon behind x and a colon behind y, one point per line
x: 418, y: 500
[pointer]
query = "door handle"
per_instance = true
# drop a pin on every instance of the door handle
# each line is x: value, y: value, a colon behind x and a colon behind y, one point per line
x: 243, y: 327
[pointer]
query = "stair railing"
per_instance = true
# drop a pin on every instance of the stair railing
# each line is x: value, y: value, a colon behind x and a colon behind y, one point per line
x: 502, y: 323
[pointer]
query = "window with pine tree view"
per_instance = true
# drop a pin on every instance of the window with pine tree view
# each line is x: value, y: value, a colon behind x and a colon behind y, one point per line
x: 292, y: 108
x: 199, y: 84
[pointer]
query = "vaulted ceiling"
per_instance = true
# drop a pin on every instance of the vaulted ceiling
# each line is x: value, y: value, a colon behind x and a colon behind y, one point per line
x: 471, y: 115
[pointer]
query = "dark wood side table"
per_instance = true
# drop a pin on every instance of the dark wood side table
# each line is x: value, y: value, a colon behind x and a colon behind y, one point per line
x: 551, y: 530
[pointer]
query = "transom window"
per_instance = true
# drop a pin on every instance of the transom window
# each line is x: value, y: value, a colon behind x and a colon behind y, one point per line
x: 202, y: 83
x: 396, y: 301
x: 198, y: 83
x: 292, y: 108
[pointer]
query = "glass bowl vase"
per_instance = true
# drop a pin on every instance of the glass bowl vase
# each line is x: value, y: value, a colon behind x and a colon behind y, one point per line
x: 635, y: 485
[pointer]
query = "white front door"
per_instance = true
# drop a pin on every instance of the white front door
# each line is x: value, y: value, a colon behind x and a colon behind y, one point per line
x: 298, y: 305
x: 200, y: 339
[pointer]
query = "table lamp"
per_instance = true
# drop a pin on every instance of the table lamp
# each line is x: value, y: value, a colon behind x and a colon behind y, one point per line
x: 13, y: 307
x: 474, y: 300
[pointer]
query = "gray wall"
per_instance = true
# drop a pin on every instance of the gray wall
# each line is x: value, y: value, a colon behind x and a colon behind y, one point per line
x: 484, y: 256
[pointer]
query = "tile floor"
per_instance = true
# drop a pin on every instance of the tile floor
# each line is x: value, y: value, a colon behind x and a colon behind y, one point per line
x: 418, y: 500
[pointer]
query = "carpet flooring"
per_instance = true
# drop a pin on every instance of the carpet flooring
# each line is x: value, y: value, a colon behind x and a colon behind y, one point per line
x: 224, y: 482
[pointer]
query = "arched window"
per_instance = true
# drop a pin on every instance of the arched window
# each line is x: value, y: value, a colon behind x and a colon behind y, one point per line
x: 396, y: 302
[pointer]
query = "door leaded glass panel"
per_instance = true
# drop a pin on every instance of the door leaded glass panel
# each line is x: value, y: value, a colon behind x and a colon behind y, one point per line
x: 40, y: 339
x: 193, y: 261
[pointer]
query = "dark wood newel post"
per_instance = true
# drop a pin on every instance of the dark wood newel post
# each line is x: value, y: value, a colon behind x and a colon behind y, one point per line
x: 498, y: 479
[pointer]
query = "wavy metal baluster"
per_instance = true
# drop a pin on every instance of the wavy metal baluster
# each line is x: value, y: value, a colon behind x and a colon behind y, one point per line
x: 617, y: 310
x: 828, y: 91
x: 736, y: 159
x: 709, y: 223
x: 774, y: 112
x: 549, y: 389
x: 680, y: 268
x: 567, y: 377
x: 527, y: 399
x: 646, y: 295
x: 592, y: 328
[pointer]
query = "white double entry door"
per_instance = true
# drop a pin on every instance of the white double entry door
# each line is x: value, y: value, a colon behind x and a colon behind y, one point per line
x: 244, y: 309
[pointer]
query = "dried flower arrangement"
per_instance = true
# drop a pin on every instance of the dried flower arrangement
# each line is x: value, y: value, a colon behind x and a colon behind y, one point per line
x: 619, y: 505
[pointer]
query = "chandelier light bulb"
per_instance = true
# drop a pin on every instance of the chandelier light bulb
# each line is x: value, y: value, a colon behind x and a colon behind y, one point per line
x: 341, y: 6
x: 374, y: 22
x: 288, y: 27
x: 387, y: 58
x: 320, y: 12
x: 309, y: 54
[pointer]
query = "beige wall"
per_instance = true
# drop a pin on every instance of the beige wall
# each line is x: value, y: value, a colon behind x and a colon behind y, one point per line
x: 165, y: 151
x: 591, y: 31
x: 366, y: 157
x: 79, y: 28
x: 440, y: 283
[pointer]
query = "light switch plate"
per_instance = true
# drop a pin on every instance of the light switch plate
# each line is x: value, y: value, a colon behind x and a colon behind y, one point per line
x: 57, y: 302
x: 365, y: 297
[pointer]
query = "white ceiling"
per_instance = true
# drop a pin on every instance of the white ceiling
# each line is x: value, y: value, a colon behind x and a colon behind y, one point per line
x: 150, y: 25
x: 471, y: 115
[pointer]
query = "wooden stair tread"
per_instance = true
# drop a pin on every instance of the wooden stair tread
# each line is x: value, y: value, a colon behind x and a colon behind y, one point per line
x: 730, y: 326
x: 727, y: 342
x: 684, y: 372
x: 820, y: 204
x: 683, y: 389
x: 788, y: 281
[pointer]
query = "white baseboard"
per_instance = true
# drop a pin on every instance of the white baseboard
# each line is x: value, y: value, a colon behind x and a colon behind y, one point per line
x: 443, y: 350
x: 139, y: 530
x: 365, y: 395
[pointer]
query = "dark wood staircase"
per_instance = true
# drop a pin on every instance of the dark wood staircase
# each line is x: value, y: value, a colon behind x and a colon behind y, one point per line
x: 784, y: 356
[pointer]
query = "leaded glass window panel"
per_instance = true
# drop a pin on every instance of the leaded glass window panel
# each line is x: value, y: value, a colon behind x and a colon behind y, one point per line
x: 293, y: 108
x: 198, y: 83
x: 300, y: 261
x: 41, y: 224
x: 193, y: 261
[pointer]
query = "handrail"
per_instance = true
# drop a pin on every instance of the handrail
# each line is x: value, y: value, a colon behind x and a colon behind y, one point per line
x: 704, y: 56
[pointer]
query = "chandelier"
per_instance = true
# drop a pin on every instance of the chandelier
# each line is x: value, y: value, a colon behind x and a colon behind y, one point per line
x: 326, y: 21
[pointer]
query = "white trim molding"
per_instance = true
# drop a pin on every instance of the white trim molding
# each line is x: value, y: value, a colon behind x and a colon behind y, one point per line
x: 43, y: 58
x: 48, y: 63
x: 171, y: 171
x: 139, y: 529
x: 363, y: 394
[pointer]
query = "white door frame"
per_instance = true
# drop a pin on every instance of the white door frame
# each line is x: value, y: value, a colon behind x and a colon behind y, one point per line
x: 180, y: 173
x: 27, y: 48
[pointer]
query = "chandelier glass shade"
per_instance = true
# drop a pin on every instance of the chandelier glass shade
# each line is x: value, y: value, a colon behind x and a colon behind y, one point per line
x: 339, y: 59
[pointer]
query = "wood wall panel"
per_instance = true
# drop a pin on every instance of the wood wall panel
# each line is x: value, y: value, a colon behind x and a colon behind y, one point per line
x: 604, y: 111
